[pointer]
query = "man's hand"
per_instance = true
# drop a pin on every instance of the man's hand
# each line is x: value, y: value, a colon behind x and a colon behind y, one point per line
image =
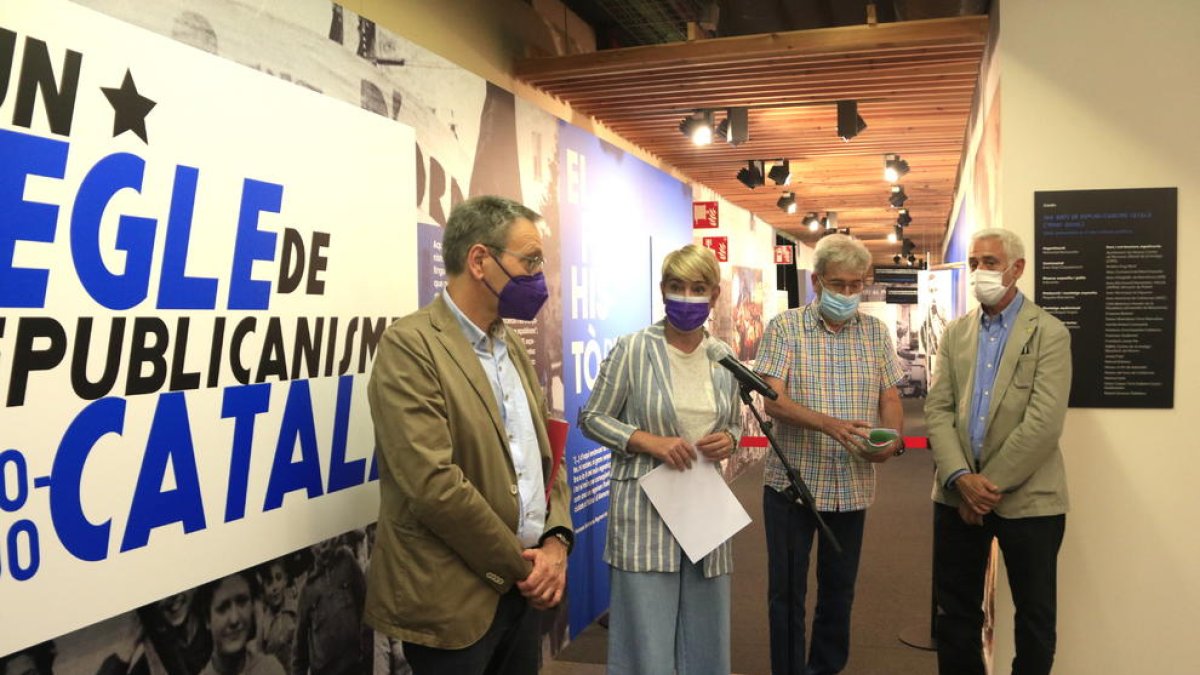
x: 716, y: 446
x: 968, y: 515
x: 978, y: 492
x: 852, y: 434
x: 545, y: 584
x: 881, y: 456
x: 670, y: 450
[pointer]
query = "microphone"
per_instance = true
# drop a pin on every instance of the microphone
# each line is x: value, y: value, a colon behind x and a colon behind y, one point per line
x: 721, y: 353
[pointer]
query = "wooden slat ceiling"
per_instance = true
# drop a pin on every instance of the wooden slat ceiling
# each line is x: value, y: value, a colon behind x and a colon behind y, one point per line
x: 913, y: 81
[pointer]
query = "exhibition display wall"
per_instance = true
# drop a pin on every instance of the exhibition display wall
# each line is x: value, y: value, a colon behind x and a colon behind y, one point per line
x: 212, y: 210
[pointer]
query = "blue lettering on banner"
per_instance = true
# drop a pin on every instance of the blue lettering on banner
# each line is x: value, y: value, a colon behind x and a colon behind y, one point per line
x: 24, y: 155
x: 177, y: 290
x: 170, y: 458
x: 305, y: 473
x: 21, y: 156
x: 343, y: 474
x: 253, y: 244
x: 82, y: 538
x: 243, y: 404
x: 135, y: 235
x: 170, y: 444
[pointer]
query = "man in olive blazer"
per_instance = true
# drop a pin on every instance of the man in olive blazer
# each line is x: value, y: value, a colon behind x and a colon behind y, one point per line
x: 995, y: 414
x: 469, y: 542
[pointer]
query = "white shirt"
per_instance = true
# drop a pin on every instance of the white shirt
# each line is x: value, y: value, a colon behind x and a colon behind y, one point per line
x: 692, y: 391
x: 492, y: 351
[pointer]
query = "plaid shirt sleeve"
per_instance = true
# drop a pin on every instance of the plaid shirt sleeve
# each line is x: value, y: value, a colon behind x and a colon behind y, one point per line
x: 775, y: 349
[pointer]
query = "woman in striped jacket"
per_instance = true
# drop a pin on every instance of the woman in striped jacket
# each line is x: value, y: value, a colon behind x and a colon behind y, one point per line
x: 659, y: 399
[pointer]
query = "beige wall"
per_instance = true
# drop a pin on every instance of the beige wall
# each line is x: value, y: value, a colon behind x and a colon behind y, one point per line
x: 1105, y: 94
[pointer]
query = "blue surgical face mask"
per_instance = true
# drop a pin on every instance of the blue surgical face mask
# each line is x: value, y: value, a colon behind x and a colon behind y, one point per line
x: 686, y: 313
x: 836, y: 307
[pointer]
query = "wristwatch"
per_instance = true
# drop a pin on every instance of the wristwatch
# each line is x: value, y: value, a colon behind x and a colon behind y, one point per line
x: 900, y: 450
x: 561, y: 536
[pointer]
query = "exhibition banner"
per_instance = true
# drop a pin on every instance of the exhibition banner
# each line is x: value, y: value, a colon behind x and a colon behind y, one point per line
x: 619, y: 217
x: 197, y: 262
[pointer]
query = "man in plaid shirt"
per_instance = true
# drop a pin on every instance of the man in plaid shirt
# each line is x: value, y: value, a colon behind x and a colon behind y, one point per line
x: 836, y: 372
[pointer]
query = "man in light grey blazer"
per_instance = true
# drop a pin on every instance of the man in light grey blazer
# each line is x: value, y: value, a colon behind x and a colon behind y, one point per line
x: 995, y: 414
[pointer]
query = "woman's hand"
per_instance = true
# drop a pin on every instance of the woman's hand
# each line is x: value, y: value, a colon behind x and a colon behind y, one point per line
x: 670, y: 450
x: 716, y: 446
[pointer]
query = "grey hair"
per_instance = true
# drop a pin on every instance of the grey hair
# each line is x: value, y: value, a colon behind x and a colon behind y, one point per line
x: 480, y: 220
x: 842, y: 251
x: 1014, y: 248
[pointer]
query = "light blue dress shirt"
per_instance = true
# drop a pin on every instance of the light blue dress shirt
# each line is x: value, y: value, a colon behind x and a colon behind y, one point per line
x: 993, y: 335
x: 492, y: 351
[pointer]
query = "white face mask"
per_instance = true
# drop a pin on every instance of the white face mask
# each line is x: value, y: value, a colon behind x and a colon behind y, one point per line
x: 989, y: 286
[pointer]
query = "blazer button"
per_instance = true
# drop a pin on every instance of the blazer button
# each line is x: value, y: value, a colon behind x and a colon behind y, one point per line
x: 513, y: 488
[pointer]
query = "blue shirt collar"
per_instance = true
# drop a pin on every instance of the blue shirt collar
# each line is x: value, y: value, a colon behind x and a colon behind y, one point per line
x: 474, y: 334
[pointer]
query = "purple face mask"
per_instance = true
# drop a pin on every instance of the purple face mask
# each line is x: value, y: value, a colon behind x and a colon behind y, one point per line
x: 686, y: 313
x: 523, y: 296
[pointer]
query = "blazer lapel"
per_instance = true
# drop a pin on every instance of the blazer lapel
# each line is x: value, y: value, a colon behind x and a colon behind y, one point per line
x: 463, y: 356
x: 657, y: 354
x: 1024, y: 325
x: 968, y: 358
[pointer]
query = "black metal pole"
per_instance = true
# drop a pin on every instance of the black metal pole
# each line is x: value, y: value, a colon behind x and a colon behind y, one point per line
x: 797, y: 491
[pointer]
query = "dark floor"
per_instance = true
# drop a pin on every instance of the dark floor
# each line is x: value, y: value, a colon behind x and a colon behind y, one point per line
x: 893, y: 594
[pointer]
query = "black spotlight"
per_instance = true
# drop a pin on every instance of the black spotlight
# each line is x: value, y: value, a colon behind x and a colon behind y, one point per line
x: 894, y: 168
x: 812, y: 221
x: 896, y: 259
x: 895, y: 235
x: 904, y: 218
x: 737, y: 126
x: 912, y: 260
x: 787, y: 202
x: 908, y: 247
x: 752, y: 175
x: 781, y: 173
x: 850, y: 123
x: 897, y: 197
x: 698, y: 127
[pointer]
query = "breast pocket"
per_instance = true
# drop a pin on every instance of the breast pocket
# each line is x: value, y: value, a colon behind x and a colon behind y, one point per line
x: 1025, y: 371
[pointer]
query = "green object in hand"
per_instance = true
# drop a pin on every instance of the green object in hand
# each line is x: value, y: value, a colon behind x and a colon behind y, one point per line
x: 881, y: 437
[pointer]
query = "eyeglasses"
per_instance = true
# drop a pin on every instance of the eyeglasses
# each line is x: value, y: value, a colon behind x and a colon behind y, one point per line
x: 533, y: 263
x: 842, y: 288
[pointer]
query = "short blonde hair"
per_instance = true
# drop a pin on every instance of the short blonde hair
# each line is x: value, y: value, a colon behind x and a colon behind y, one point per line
x: 692, y: 263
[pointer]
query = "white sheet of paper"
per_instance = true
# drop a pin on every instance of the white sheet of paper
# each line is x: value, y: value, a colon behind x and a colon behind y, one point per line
x: 697, y: 506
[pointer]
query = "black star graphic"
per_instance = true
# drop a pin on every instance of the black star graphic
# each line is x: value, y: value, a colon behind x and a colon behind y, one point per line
x: 129, y: 107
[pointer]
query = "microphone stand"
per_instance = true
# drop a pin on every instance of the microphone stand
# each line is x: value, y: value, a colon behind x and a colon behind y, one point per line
x: 797, y: 491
